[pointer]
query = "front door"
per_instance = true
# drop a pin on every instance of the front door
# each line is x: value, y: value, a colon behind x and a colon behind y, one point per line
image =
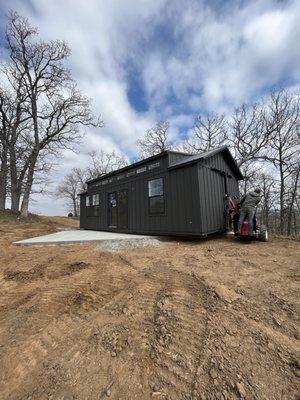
x: 122, y: 206
x: 118, y: 209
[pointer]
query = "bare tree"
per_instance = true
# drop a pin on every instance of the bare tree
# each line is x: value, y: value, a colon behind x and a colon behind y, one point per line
x: 4, y: 132
x: 3, y: 175
x: 14, y: 121
x: 293, y: 197
x: 250, y: 132
x: 102, y: 163
x: 267, y: 182
x: 250, y: 174
x: 284, y: 110
x: 55, y: 106
x: 69, y: 189
x: 155, y: 140
x: 209, y: 131
x: 81, y: 176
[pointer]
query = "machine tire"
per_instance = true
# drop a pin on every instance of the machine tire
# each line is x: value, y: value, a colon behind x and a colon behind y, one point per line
x: 263, y: 235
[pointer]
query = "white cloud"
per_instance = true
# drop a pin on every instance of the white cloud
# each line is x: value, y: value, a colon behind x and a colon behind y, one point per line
x: 188, y: 59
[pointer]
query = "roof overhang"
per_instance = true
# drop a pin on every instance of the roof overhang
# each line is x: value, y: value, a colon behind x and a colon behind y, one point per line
x: 210, y: 153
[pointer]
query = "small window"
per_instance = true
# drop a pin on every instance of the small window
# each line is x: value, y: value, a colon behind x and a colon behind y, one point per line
x: 156, y: 187
x: 156, y: 196
x: 130, y: 173
x: 89, y: 201
x: 140, y: 170
x: 95, y: 199
x: 154, y: 165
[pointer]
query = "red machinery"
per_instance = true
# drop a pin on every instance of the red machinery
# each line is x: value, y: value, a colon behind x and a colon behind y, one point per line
x: 259, y: 231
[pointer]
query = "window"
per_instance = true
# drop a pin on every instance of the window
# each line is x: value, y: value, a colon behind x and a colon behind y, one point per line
x: 154, y: 165
x: 140, y: 170
x: 88, y: 201
x: 92, y: 203
x: 156, y: 196
x: 130, y: 173
x: 156, y: 187
x: 95, y: 199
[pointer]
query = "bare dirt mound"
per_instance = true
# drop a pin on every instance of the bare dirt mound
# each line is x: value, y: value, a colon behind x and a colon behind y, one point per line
x: 200, y: 320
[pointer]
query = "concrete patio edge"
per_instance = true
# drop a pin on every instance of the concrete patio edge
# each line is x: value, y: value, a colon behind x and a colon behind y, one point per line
x: 85, y: 236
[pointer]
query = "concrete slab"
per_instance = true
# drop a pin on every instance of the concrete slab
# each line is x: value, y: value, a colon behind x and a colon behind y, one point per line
x: 107, y: 240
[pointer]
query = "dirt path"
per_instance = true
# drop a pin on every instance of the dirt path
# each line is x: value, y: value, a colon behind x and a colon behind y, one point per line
x: 211, y: 319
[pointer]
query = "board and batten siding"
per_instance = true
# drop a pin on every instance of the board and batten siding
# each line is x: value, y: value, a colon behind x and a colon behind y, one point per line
x: 194, y: 195
x: 212, y: 192
x: 183, y: 200
x: 219, y: 162
x: 212, y: 200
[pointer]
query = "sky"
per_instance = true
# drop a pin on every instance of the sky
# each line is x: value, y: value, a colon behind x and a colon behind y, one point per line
x: 142, y: 61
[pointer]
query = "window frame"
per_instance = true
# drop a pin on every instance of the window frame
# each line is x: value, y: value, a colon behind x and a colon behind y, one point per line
x: 93, y: 206
x: 151, y: 213
x: 95, y: 199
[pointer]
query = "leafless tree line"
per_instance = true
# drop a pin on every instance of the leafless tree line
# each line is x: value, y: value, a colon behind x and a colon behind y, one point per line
x: 41, y: 111
x: 264, y: 138
x: 100, y: 163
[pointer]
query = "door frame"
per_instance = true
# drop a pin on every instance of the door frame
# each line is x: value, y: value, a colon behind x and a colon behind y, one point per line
x: 116, y: 193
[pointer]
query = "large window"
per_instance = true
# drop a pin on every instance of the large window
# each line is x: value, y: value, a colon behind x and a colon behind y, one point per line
x: 93, y: 205
x: 156, y: 196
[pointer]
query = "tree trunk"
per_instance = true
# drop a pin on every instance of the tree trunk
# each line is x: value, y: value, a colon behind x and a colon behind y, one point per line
x: 14, y: 182
x: 28, y: 186
x: 291, y: 205
x: 26, y: 196
x: 3, y: 178
x: 15, y: 198
x: 75, y: 207
x: 295, y: 223
x: 281, y: 197
x: 33, y: 156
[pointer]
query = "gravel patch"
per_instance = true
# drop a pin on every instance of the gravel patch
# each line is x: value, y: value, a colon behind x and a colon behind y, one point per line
x: 115, y: 245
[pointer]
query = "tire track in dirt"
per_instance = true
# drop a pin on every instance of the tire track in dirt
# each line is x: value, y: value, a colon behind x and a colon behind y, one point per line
x: 174, y: 306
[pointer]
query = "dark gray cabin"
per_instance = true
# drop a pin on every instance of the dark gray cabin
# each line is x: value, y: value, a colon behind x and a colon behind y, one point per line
x: 170, y: 193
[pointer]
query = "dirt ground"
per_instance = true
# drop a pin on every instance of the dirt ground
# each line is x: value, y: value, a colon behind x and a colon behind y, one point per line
x: 206, y: 319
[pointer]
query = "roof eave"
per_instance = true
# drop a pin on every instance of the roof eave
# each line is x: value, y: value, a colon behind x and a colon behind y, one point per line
x: 136, y: 164
x: 238, y: 174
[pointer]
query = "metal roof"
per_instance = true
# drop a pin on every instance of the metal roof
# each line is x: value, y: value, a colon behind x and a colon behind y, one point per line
x: 207, y: 154
x: 180, y: 163
x: 136, y: 164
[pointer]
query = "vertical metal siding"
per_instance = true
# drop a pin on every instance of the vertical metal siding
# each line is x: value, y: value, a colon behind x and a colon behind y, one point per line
x: 194, y: 200
x: 183, y: 200
x: 212, y: 200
